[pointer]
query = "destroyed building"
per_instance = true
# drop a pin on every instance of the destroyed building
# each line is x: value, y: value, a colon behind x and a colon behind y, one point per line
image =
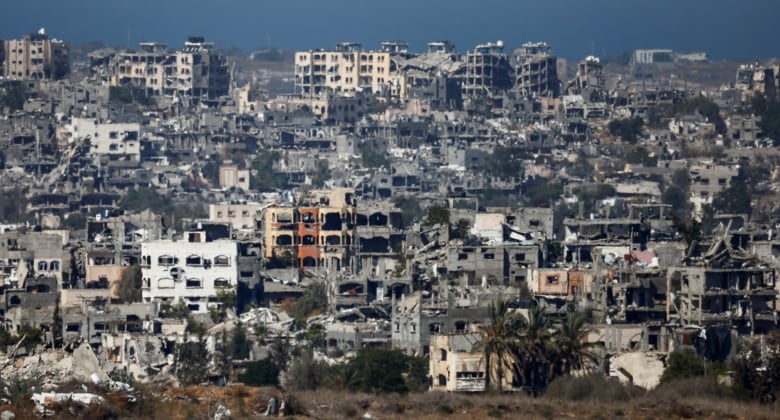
x: 536, y: 70
x: 488, y: 71
x: 35, y: 57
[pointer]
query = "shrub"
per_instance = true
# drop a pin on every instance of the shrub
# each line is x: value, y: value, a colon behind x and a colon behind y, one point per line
x: 682, y: 364
x: 591, y: 387
x: 260, y: 373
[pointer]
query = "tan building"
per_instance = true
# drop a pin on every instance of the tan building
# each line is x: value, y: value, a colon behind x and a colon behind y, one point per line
x: 453, y: 364
x: 196, y: 70
x: 231, y: 176
x: 347, y: 69
x: 240, y: 216
x: 199, y: 71
x: 35, y: 57
x: 143, y: 68
x: 316, y: 235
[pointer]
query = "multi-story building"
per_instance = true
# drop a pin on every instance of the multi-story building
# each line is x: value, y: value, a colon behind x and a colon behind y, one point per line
x: 536, y: 71
x: 116, y: 140
x: 652, y: 56
x: 238, y: 215
x: 317, y: 235
x: 347, y: 69
x: 233, y: 176
x: 144, y: 68
x: 707, y: 180
x: 196, y: 71
x: 194, y: 269
x: 487, y: 70
x: 35, y: 57
x: 454, y: 363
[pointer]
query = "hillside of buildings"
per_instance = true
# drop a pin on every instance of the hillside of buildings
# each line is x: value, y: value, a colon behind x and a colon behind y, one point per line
x: 470, y: 227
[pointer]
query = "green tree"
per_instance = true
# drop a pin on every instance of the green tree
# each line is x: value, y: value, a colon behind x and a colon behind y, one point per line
x: 178, y: 310
x: 677, y: 198
x: 541, y: 194
x: 640, y: 155
x: 306, y: 373
x: 280, y: 352
x: 410, y: 209
x: 500, y: 343
x: 240, y: 346
x: 372, y: 155
x: 264, y: 177
x: 682, y: 364
x: 757, y: 369
x: 191, y: 362
x: 437, y: 214
x: 314, y: 301
x: 321, y: 173
x: 260, y: 373
x: 492, y: 197
x: 734, y: 199
x: 130, y: 284
x: 506, y: 162
x: 379, y: 370
x: 571, y: 346
x: 681, y: 178
x: 13, y: 206
x: 13, y: 96
x: 143, y: 198
x: 210, y: 169
x: 536, y: 351
x: 315, y: 335
x: 461, y: 230
x: 629, y: 129
x: 769, y: 111
x: 223, y: 359
x: 707, y: 108
x: 75, y: 220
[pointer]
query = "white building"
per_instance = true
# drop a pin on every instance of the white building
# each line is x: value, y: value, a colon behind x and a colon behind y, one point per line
x: 112, y: 139
x: 193, y: 270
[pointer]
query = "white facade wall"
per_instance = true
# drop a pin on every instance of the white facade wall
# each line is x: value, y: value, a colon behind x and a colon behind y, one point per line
x: 193, y: 271
x: 109, y: 139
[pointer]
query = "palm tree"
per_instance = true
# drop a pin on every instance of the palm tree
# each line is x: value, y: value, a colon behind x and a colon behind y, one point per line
x: 499, y: 341
x: 535, y: 351
x: 572, y: 349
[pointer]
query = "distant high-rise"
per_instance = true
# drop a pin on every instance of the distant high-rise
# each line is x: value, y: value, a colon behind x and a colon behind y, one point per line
x: 195, y: 71
x: 488, y: 71
x: 536, y: 70
x: 35, y: 57
x: 348, y: 69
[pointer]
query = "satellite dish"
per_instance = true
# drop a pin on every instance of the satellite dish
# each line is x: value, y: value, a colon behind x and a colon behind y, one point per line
x: 500, y: 43
x: 42, y: 31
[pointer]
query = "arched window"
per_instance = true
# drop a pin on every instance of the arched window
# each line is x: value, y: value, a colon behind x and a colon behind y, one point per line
x: 165, y: 260
x: 194, y: 260
x: 54, y: 266
x: 43, y: 266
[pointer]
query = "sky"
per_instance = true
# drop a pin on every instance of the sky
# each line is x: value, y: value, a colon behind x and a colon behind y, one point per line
x: 725, y: 29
